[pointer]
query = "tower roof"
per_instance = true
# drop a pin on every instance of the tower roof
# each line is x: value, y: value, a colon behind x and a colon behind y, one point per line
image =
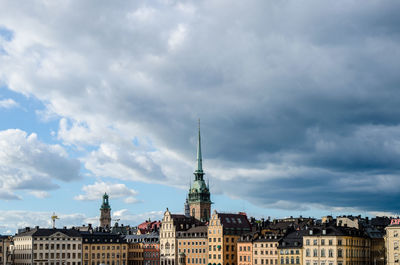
x: 105, y: 204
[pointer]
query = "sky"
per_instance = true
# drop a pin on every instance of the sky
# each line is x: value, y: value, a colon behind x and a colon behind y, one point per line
x: 298, y: 101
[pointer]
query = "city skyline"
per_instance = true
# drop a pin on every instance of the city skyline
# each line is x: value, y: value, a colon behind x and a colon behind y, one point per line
x: 298, y: 105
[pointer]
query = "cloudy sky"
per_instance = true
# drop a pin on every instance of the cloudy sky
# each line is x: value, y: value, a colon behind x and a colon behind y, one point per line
x: 298, y: 100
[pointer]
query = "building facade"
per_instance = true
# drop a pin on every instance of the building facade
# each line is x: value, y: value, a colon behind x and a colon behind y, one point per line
x: 103, y: 248
x: 392, y: 242
x: 42, y: 246
x: 290, y: 248
x: 5, y: 252
x: 245, y: 250
x: 224, y: 230
x: 265, y: 250
x: 194, y: 244
x: 335, y: 246
x: 172, y: 224
x: 143, y: 249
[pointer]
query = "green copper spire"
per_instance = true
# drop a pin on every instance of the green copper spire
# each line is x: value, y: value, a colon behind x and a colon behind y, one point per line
x: 199, y: 158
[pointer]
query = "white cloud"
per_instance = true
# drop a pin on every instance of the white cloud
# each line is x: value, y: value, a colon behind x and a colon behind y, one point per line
x: 177, y: 37
x: 29, y: 164
x: 40, y: 194
x: 8, y: 103
x: 114, y: 190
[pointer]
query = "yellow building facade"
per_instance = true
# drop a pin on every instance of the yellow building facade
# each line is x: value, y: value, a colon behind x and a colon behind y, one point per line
x: 224, y: 230
x: 103, y: 248
x: 335, y: 246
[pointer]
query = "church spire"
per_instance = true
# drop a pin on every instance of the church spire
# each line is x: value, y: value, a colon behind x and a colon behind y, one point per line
x: 199, y: 171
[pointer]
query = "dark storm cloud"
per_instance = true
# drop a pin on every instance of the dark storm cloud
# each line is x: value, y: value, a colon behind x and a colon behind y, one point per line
x: 304, y: 92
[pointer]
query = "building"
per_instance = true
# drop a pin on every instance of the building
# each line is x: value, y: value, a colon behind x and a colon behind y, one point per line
x: 392, y: 240
x: 143, y: 249
x: 245, y: 249
x: 105, y: 212
x: 331, y: 245
x: 42, y: 246
x: 290, y: 248
x: 148, y: 227
x: 224, y: 230
x: 194, y: 244
x: 172, y: 224
x: 5, y: 253
x: 265, y: 249
x: 103, y: 248
x: 199, y: 194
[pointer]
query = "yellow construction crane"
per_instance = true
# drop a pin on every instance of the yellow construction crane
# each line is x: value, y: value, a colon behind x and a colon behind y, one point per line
x: 53, y: 219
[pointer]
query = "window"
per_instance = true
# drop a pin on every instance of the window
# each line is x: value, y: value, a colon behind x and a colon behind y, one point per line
x: 308, y: 242
x: 322, y: 242
x: 330, y: 242
x: 315, y: 242
x: 339, y: 253
x: 315, y: 252
x: 339, y: 242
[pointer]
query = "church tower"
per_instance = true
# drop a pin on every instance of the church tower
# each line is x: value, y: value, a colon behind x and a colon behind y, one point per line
x: 105, y: 212
x: 199, y: 193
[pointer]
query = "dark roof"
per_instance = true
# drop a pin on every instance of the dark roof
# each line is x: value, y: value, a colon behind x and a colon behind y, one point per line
x: 380, y: 221
x: 101, y: 237
x: 248, y: 237
x: 293, y: 240
x: 335, y: 231
x: 231, y: 220
x: 197, y: 231
x: 35, y: 232
x: 144, y: 238
x: 183, y: 223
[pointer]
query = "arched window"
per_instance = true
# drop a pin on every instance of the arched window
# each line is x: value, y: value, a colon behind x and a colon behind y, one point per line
x: 205, y: 215
x: 193, y: 212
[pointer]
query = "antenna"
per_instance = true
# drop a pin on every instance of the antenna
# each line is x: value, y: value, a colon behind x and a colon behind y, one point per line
x: 54, y: 217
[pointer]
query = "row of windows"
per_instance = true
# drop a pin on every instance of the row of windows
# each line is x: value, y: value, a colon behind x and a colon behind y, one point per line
x: 292, y: 260
x: 227, y: 256
x: 57, y: 263
x: 56, y: 246
x: 266, y: 245
x: 193, y: 243
x: 266, y: 261
x: 196, y: 261
x: 352, y: 242
x: 244, y: 248
x: 330, y: 253
x: 271, y: 252
x: 349, y: 253
x: 105, y: 247
x: 194, y: 250
x: 105, y: 262
x: 244, y: 258
x: 330, y: 242
x: 287, y: 252
x: 56, y: 255
x: 105, y: 255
